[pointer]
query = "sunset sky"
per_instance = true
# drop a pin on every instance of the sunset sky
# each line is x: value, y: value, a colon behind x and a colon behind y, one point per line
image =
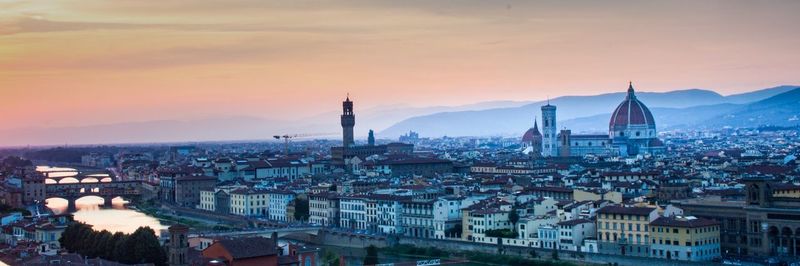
x: 73, y: 63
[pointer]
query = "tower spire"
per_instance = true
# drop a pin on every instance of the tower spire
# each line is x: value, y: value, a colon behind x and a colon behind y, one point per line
x: 630, y: 90
x: 535, y: 124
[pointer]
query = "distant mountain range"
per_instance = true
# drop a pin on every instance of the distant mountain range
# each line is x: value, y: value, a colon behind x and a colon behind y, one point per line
x: 590, y: 114
x: 693, y: 108
x: 225, y: 128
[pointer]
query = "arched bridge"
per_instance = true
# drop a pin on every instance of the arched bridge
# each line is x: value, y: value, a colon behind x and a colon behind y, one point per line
x: 106, y: 190
x: 80, y: 176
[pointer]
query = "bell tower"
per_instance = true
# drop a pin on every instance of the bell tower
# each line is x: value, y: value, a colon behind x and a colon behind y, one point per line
x: 178, y: 245
x: 759, y: 191
x: 348, y: 122
x: 549, y: 135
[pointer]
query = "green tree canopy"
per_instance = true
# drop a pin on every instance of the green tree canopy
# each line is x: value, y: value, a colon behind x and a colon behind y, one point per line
x: 140, y: 247
x: 372, y: 255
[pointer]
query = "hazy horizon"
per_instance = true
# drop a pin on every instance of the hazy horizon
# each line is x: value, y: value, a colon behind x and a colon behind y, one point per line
x: 91, y: 62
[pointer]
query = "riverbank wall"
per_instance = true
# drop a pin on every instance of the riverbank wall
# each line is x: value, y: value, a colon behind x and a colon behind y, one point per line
x: 342, y: 239
x: 236, y: 221
x: 545, y: 254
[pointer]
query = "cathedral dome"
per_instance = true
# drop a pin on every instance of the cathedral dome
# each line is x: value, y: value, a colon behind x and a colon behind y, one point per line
x: 631, y: 113
x: 532, y: 134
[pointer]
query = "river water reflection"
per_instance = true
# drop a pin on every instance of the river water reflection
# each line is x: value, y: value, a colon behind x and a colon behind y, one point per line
x: 118, y: 218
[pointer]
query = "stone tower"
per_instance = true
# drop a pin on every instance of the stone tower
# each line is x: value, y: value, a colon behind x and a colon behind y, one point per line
x: 371, y: 138
x: 549, y: 135
x: 759, y: 191
x: 178, y: 245
x: 348, y: 122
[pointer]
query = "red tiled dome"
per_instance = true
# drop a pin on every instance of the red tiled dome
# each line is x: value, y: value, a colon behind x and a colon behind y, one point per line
x: 531, y: 133
x: 631, y: 112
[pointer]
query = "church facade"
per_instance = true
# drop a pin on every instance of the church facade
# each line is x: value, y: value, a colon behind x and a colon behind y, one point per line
x: 631, y: 132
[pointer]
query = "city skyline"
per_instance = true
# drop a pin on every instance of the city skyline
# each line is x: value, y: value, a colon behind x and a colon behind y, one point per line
x: 385, y: 132
x: 87, y: 63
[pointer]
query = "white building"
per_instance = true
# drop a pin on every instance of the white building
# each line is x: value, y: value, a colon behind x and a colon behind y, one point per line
x: 278, y: 201
x: 389, y: 210
x: 417, y: 218
x: 528, y: 227
x: 548, y: 236
x: 572, y: 233
x: 353, y: 212
x: 446, y: 215
x: 323, y: 209
x: 283, y: 168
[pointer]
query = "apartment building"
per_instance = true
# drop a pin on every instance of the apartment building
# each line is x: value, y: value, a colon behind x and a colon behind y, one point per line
x: 323, y: 209
x: 685, y: 238
x: 249, y: 202
x: 353, y: 212
x: 446, y: 215
x: 278, y: 202
x: 624, y: 230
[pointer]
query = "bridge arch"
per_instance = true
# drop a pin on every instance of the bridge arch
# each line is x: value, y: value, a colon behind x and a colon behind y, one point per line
x: 58, y: 204
x: 68, y: 180
x: 106, y: 190
x: 89, y: 179
x: 66, y: 204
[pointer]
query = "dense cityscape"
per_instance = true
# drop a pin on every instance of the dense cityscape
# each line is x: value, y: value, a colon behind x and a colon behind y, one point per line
x: 629, y: 197
x: 399, y: 133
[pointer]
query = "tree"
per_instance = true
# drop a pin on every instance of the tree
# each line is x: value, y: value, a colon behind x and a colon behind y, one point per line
x: 513, y: 216
x: 501, y: 233
x: 123, y: 250
x: 100, y: 244
x: 555, y: 254
x: 140, y: 247
x: 372, y: 255
x: 82, y: 238
x: 146, y: 248
x: 301, y: 209
x: 69, y: 238
x: 533, y: 253
x: 116, y: 240
x: 330, y: 259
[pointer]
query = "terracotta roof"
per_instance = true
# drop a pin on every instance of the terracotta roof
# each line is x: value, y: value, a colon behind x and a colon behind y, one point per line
x: 195, y: 178
x: 631, y: 112
x: 685, y: 222
x: 574, y: 222
x: 248, y: 247
x: 616, y: 209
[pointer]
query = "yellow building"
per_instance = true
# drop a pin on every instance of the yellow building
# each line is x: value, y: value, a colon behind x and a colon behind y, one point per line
x: 624, y: 230
x: 685, y: 238
x: 582, y: 195
x: 783, y: 190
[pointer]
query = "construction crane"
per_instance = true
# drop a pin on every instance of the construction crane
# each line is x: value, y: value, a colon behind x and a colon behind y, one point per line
x: 287, y: 137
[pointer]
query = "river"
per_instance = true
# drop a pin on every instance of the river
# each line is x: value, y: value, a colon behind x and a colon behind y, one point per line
x: 118, y: 218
